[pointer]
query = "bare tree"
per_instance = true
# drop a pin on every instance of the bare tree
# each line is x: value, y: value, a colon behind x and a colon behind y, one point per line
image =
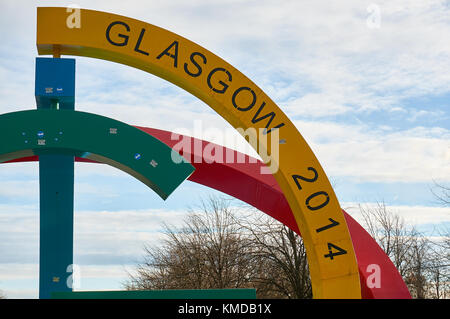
x: 221, y: 247
x: 281, y: 251
x: 440, y: 268
x: 390, y: 232
x: 422, y: 262
x: 209, y: 251
x: 418, y: 256
x: 439, y: 274
x: 442, y: 193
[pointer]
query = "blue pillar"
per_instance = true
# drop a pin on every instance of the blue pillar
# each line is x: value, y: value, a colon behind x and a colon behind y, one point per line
x: 55, y: 88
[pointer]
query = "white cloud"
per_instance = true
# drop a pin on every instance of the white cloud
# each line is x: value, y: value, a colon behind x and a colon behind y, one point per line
x: 18, y: 271
x: 105, y: 244
x: 412, y: 215
x: 317, y: 105
x: 148, y: 220
x: 415, y: 155
x: 322, y: 45
x: 10, y: 171
x: 26, y: 189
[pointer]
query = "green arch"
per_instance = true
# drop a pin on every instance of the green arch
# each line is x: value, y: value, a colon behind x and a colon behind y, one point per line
x: 46, y: 131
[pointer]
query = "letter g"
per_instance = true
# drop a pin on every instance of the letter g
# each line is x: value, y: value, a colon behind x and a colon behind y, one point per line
x: 125, y: 37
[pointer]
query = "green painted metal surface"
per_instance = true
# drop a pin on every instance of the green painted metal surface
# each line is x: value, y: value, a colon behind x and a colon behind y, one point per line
x: 49, y: 131
x: 56, y: 177
x: 242, y: 293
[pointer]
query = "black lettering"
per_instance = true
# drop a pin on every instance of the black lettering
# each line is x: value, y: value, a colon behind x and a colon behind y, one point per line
x: 173, y: 56
x: 224, y: 85
x: 325, y: 203
x: 233, y: 99
x: 332, y: 254
x: 256, y: 119
x: 333, y: 223
x: 196, y: 64
x: 138, y: 43
x: 306, y: 179
x: 123, y: 36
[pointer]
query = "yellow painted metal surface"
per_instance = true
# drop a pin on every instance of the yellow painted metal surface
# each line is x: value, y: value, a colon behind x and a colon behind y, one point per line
x: 333, y: 266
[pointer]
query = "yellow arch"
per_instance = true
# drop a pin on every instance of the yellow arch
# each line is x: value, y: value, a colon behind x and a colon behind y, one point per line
x: 333, y: 266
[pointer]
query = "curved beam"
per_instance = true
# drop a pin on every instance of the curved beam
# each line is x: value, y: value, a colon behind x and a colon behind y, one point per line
x: 238, y: 100
x: 96, y: 138
x: 244, y: 181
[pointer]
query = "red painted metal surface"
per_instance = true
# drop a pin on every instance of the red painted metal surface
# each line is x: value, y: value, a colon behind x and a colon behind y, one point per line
x: 243, y: 180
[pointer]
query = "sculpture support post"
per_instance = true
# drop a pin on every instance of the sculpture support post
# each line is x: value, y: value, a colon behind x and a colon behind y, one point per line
x: 55, y: 88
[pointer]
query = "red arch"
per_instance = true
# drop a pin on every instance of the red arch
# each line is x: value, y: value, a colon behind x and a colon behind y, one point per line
x: 244, y: 181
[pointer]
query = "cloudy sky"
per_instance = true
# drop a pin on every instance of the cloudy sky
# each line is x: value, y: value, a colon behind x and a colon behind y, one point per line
x: 366, y: 83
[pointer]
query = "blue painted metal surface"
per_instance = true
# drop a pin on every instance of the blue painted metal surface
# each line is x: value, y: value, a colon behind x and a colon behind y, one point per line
x: 55, y: 83
x: 55, y: 88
